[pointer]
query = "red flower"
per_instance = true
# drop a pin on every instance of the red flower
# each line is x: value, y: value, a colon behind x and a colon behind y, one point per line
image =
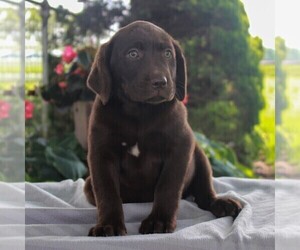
x: 69, y: 54
x: 4, y: 109
x: 59, y: 69
x: 185, y: 100
x: 29, y: 107
x: 62, y: 85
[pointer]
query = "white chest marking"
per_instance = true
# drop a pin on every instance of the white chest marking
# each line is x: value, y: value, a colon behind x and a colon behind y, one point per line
x: 134, y: 150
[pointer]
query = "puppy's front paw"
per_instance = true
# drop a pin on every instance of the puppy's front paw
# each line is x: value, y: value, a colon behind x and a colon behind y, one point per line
x: 155, y: 225
x: 222, y: 207
x: 108, y: 230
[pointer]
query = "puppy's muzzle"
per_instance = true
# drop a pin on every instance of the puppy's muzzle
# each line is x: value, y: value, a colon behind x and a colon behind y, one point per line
x: 159, y: 83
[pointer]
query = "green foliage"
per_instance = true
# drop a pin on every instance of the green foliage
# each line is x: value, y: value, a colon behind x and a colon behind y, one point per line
x: 288, y: 134
x: 222, y: 158
x: 54, y: 160
x: 95, y: 20
x: 65, y: 162
x: 268, y: 71
x: 266, y: 127
x: 225, y: 119
x: 98, y: 16
x: 287, y: 108
x: 280, y: 98
x: 58, y: 156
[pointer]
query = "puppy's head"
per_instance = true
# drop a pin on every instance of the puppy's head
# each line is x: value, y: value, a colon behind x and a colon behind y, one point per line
x: 141, y: 63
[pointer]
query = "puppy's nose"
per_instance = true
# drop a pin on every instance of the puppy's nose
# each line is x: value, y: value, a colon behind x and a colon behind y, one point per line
x: 159, y: 83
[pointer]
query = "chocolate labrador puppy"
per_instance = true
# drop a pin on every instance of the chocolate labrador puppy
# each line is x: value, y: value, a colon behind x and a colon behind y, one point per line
x: 140, y: 145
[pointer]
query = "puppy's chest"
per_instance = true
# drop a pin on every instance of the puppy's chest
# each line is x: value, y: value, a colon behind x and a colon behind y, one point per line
x: 153, y: 144
x: 139, y: 169
x: 136, y: 155
x: 141, y: 155
x: 130, y: 149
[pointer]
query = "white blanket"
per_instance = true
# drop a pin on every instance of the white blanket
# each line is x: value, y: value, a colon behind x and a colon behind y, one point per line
x: 58, y: 216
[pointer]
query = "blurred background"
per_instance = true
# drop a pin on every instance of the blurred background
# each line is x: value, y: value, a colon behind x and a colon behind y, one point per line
x: 234, y: 70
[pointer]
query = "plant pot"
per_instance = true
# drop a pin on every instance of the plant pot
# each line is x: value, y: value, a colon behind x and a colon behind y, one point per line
x: 81, y: 111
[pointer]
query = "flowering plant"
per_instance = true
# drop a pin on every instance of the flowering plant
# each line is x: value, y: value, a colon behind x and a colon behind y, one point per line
x: 68, y: 78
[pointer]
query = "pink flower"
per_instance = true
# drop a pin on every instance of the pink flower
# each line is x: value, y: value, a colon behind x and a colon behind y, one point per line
x: 69, y: 54
x: 62, y: 85
x: 59, y: 69
x: 4, y: 109
x: 29, y: 108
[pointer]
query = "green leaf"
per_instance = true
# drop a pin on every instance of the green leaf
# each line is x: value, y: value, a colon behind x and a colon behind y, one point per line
x: 70, y: 142
x: 222, y: 158
x: 225, y: 168
x: 247, y: 171
x: 65, y: 162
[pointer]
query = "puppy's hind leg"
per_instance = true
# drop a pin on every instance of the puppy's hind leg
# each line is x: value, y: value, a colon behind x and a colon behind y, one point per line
x: 88, y: 190
x: 204, y: 193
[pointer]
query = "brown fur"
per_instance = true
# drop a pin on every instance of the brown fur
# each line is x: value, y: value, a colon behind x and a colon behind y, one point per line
x: 140, y: 80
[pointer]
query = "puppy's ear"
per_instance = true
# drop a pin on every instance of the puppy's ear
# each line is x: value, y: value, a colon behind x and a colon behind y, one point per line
x: 181, y: 78
x: 99, y: 79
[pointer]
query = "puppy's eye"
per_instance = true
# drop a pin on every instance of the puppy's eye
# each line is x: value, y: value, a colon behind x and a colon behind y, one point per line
x: 133, y: 54
x: 168, y: 53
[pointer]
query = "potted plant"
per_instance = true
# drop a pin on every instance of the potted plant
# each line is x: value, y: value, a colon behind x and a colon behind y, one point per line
x: 68, y: 87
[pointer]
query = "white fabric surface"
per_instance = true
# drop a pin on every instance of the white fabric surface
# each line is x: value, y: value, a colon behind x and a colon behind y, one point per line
x: 58, y: 216
x: 287, y: 200
x: 12, y: 216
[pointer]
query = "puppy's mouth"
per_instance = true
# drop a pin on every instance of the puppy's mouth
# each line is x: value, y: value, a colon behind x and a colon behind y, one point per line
x: 156, y: 100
